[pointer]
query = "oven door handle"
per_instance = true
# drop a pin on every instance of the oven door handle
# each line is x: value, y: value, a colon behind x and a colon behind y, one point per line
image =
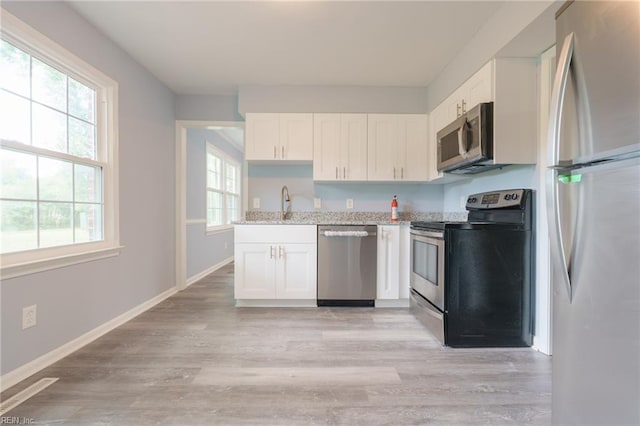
x: 429, y: 234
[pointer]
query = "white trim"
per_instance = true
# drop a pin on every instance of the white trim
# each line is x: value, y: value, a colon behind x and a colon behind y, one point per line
x: 219, y: 229
x: 40, y: 259
x: 543, y: 303
x: 201, y: 275
x: 41, y: 265
x: 181, y: 206
x: 277, y: 303
x: 18, y: 31
x: 19, y: 374
x: 25, y: 394
x: 196, y: 221
x: 181, y: 190
x: 392, y: 303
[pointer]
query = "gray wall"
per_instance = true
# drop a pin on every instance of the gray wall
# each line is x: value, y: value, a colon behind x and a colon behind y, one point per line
x: 204, y: 251
x: 76, y: 299
x: 509, y: 177
x: 207, y: 107
x: 332, y: 99
x: 266, y: 183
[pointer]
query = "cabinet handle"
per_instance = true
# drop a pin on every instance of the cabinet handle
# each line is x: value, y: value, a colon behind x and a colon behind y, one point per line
x: 344, y: 173
x: 464, y: 107
x: 401, y: 172
x: 283, y: 152
x: 271, y: 252
x: 274, y: 152
x: 458, y: 109
x: 394, y: 172
x: 336, y: 172
x: 280, y: 252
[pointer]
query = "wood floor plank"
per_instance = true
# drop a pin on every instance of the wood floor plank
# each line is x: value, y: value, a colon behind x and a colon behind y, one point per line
x: 298, y: 376
x: 196, y: 359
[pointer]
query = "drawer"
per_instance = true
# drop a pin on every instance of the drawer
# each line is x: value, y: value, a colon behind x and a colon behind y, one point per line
x: 275, y: 234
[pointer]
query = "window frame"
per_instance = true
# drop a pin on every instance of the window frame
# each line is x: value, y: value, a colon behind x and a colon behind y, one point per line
x: 225, y: 158
x: 39, y: 46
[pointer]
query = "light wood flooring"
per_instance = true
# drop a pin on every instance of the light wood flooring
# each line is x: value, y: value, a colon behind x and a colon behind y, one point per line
x: 195, y: 359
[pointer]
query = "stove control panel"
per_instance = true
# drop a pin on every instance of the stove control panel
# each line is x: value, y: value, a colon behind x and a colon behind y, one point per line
x: 495, y: 199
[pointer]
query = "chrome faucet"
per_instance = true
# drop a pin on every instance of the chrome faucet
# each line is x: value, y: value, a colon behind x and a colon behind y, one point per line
x: 284, y: 196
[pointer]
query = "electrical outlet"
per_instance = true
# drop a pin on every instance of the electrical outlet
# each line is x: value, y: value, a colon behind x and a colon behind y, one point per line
x: 256, y: 203
x: 317, y: 203
x: 349, y: 203
x: 29, y: 318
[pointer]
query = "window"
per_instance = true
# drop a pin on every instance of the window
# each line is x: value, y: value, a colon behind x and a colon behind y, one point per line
x: 223, y: 189
x: 58, y: 192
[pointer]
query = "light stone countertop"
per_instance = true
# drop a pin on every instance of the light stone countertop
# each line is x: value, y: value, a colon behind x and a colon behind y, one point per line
x: 345, y: 218
x: 320, y: 222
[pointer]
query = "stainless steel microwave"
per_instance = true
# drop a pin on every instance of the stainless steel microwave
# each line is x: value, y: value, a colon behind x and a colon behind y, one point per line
x: 466, y: 145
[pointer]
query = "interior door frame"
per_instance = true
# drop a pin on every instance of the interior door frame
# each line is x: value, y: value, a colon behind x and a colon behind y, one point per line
x: 181, y: 191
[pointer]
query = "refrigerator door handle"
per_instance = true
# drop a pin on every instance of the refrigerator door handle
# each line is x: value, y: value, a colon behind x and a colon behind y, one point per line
x: 555, y: 118
x: 557, y: 100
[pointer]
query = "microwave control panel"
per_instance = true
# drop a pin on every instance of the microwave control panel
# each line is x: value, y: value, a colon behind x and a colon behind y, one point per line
x: 496, y: 199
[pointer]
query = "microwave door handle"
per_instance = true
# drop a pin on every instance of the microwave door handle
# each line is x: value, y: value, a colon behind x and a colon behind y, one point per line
x: 462, y: 139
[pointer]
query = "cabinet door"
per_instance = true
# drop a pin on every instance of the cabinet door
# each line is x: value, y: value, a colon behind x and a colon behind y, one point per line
x: 296, y: 137
x: 296, y: 271
x: 454, y: 104
x: 479, y: 87
x: 354, y: 147
x: 439, y: 118
x: 388, y: 276
x: 404, y: 268
x: 382, y: 142
x: 412, y: 148
x: 326, y: 147
x: 255, y: 271
x: 263, y: 136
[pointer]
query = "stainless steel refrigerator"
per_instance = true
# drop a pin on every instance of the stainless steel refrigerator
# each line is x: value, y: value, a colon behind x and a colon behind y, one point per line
x: 593, y: 200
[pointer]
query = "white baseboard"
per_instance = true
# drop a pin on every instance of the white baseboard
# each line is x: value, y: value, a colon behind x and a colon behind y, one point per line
x: 276, y: 303
x: 19, y: 374
x: 201, y: 275
x: 392, y: 303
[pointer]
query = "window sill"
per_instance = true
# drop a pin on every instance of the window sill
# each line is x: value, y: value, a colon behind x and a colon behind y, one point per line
x: 42, y: 265
x: 219, y: 229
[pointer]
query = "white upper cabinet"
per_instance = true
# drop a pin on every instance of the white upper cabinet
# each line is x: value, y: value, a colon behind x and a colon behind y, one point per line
x: 511, y: 84
x: 439, y: 118
x: 279, y: 137
x: 397, y: 147
x: 340, y: 147
x: 262, y: 139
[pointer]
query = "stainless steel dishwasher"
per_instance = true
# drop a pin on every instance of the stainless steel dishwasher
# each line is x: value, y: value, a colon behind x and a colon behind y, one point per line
x: 347, y: 265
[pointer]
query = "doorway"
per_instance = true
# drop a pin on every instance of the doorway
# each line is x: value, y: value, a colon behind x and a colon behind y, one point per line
x: 205, y: 151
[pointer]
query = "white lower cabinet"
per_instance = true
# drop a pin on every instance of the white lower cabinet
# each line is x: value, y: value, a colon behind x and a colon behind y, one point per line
x: 393, y: 255
x: 388, y: 262
x: 275, y: 262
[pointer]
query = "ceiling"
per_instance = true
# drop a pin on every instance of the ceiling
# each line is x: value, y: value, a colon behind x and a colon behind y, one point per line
x: 214, y: 47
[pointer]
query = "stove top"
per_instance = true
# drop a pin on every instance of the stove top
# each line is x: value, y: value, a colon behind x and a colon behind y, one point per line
x: 490, y: 209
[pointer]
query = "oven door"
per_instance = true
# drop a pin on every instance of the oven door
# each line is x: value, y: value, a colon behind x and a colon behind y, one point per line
x: 427, y: 265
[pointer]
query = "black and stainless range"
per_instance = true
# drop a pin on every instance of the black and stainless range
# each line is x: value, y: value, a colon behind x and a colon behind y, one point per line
x: 472, y: 282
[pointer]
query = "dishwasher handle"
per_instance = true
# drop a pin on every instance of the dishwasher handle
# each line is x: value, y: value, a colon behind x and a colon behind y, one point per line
x: 351, y: 234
